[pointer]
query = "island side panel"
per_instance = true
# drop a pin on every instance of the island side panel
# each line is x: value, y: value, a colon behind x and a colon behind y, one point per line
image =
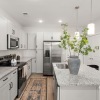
x: 78, y: 93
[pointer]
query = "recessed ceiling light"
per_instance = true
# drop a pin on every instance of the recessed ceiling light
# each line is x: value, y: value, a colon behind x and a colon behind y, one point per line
x: 60, y: 21
x: 40, y: 21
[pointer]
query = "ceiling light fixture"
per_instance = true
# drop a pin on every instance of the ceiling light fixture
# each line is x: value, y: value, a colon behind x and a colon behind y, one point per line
x: 40, y: 21
x: 77, y: 34
x: 60, y: 21
x: 91, y: 26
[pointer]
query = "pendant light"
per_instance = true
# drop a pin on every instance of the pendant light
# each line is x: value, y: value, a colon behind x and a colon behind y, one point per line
x: 91, y: 26
x: 77, y: 34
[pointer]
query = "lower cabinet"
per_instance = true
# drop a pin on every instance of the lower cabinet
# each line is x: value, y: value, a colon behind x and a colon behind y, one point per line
x: 29, y: 68
x: 34, y: 69
x: 39, y: 61
x: 5, y: 92
x: 8, y: 89
x: 14, y: 88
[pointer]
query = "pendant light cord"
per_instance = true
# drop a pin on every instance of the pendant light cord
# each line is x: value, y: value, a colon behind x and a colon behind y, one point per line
x: 91, y: 11
x: 77, y: 7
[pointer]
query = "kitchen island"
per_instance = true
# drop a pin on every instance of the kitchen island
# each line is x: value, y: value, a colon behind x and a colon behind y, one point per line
x: 84, y: 86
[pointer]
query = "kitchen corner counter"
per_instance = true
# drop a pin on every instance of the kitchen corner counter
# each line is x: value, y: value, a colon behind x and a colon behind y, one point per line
x: 6, y: 70
x: 26, y: 59
x: 86, y: 77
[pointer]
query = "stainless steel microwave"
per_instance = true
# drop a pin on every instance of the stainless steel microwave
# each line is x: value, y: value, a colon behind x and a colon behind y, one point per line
x: 12, y: 42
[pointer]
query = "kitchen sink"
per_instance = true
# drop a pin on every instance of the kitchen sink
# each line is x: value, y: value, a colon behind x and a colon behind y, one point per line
x: 62, y: 66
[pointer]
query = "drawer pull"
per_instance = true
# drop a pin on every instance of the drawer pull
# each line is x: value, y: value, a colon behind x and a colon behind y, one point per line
x: 14, y: 72
x: 5, y: 79
x: 9, y: 86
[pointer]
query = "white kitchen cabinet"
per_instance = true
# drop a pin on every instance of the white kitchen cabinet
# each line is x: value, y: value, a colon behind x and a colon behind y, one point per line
x: 48, y: 36
x: 3, y: 33
x: 8, y: 89
x: 29, y: 68
x: 53, y: 36
x: 11, y: 28
x: 14, y: 85
x: 92, y: 58
x: 5, y: 92
x: 56, y: 36
x: 23, y: 40
x: 34, y: 66
x: 31, y: 41
x: 39, y: 61
x: 39, y: 40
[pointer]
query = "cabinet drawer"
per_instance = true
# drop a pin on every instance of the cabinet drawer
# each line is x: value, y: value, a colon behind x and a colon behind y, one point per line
x: 14, y: 73
x: 5, y: 79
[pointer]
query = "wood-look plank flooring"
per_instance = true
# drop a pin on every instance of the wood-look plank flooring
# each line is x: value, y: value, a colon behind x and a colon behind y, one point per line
x: 49, y: 85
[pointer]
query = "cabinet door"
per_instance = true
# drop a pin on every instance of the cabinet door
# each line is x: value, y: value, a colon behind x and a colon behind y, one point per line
x: 34, y: 69
x: 9, y: 27
x: 56, y: 36
x: 3, y: 33
x: 13, y: 86
x: 5, y: 92
x: 39, y: 61
x: 48, y: 36
x: 39, y: 40
x: 31, y: 41
x: 23, y: 40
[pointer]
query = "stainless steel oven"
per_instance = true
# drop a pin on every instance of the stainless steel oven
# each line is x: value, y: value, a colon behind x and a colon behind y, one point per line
x: 21, y: 78
x: 12, y: 42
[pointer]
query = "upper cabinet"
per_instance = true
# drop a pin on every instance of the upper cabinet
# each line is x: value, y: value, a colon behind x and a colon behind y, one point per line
x: 39, y: 40
x: 31, y: 41
x: 55, y: 36
x: 3, y: 33
x: 23, y: 40
x: 48, y: 36
x: 11, y: 28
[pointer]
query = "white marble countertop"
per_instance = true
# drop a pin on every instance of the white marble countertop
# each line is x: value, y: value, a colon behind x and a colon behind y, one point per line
x: 86, y: 76
x: 6, y: 70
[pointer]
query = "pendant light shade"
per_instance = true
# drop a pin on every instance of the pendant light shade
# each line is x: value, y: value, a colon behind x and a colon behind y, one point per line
x: 91, y: 29
x: 91, y: 26
x: 77, y: 34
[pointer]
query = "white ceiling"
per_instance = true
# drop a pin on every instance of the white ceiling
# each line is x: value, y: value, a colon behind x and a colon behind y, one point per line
x: 50, y: 11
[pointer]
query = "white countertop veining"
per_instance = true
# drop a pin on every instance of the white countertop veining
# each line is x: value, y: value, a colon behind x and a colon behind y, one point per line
x: 6, y: 70
x: 86, y: 76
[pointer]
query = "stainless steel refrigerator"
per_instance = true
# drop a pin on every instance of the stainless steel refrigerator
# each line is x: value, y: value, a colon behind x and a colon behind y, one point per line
x: 51, y: 53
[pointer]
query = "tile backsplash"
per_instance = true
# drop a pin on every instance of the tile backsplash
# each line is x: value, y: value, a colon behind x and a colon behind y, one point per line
x: 22, y: 53
x: 7, y: 52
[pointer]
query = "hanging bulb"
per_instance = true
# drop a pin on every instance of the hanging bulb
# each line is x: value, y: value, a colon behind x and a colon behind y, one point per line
x: 91, y: 29
x: 77, y: 34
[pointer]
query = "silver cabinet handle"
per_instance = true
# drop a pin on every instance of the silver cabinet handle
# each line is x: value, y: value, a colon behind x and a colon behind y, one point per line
x: 5, y: 79
x: 13, y: 31
x: 10, y: 86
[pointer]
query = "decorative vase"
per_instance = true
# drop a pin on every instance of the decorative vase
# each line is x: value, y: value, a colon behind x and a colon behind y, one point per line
x: 74, y: 65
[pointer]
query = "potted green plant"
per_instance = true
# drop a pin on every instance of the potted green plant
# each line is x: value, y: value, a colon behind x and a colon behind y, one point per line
x: 79, y: 46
